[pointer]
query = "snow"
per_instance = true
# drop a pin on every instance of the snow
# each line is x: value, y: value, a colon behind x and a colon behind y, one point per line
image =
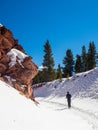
x: 80, y: 85
x: 16, y: 54
x: 1, y: 25
x: 42, y: 67
x: 19, y: 113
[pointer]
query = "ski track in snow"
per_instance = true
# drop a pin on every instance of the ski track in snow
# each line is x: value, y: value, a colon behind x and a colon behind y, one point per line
x: 91, y: 118
x: 84, y: 90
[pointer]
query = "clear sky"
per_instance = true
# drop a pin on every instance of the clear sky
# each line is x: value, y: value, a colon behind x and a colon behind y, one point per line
x: 67, y: 24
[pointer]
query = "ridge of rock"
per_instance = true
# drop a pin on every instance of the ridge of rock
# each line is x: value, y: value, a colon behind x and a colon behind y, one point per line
x: 16, y: 68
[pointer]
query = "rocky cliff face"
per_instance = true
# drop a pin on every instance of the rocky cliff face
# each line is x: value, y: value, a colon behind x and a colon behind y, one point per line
x: 16, y: 68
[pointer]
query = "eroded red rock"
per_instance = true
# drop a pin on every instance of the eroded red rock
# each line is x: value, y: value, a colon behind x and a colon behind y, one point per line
x: 20, y: 75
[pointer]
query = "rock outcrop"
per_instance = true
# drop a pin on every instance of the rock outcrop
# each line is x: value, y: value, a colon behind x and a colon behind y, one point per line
x: 16, y: 68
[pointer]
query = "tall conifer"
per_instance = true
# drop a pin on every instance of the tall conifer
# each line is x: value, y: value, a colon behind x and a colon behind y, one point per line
x: 68, y: 64
x: 48, y: 61
x: 91, y: 56
x: 59, y: 72
x: 78, y: 64
x: 84, y: 59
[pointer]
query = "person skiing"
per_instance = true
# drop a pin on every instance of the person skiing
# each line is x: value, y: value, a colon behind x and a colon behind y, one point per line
x: 68, y: 96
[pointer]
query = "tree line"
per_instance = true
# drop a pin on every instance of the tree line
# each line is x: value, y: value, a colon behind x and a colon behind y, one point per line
x: 81, y: 63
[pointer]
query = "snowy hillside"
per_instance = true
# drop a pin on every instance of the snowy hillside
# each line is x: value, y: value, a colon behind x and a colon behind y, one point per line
x: 19, y: 113
x: 80, y: 85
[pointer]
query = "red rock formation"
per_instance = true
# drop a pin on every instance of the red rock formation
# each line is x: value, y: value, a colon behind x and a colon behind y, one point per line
x: 18, y: 69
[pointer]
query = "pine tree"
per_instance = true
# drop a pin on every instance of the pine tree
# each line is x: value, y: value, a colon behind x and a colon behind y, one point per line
x: 91, y: 56
x: 59, y: 72
x: 68, y: 64
x: 78, y: 64
x: 39, y: 78
x: 48, y: 61
x: 97, y: 60
x: 84, y: 59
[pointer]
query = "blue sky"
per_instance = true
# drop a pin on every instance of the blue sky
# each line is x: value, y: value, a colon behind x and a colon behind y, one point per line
x: 67, y: 24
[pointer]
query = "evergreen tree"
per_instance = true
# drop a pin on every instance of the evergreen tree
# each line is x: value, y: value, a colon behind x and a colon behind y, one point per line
x: 97, y: 60
x: 78, y: 64
x: 84, y: 59
x: 39, y: 78
x: 91, y: 56
x: 48, y: 61
x: 59, y: 72
x: 68, y: 64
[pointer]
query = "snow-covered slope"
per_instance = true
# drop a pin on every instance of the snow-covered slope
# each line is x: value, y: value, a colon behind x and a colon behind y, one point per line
x: 80, y: 85
x: 19, y: 113
x: 84, y: 90
x: 16, y: 112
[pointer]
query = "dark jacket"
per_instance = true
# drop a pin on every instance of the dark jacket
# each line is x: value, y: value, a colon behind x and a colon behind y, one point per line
x: 68, y: 96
